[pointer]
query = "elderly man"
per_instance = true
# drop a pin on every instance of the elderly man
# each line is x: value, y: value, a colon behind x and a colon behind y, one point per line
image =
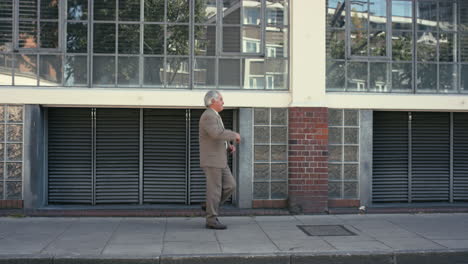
x: 214, y: 146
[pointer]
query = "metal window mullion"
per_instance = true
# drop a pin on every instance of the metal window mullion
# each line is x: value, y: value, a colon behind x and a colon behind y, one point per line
x: 410, y: 157
x: 342, y: 155
x: 45, y: 187
x: 438, y: 47
x: 415, y: 55
x: 116, y: 52
x: 140, y: 183
x: 90, y: 73
x: 263, y: 26
x: 165, y: 45
x: 451, y: 156
x: 191, y: 44
x: 389, y: 46
x: 63, y: 28
x: 368, y: 29
x: 39, y: 42
x: 141, y: 60
x: 348, y: 42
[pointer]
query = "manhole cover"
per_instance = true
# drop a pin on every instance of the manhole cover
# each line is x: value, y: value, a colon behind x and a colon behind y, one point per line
x: 326, y: 230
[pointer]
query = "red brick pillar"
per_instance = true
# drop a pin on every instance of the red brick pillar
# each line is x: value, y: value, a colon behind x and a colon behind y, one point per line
x: 308, y: 159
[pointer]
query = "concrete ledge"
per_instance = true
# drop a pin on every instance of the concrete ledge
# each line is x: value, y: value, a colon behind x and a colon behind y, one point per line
x: 227, y: 259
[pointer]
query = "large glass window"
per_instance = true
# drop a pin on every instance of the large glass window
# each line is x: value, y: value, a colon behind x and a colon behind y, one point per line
x: 403, y: 46
x: 179, y: 44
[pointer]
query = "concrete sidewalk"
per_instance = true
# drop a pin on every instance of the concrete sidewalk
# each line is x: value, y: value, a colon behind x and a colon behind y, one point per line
x: 379, y: 238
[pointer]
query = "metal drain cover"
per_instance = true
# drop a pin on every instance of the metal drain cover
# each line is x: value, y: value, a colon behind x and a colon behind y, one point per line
x: 326, y: 230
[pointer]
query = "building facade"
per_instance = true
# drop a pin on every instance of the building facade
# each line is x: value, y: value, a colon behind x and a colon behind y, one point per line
x: 339, y: 103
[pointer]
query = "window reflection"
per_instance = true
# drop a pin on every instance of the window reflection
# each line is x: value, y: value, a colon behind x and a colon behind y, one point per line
x: 77, y: 37
x: 426, y: 15
x: 128, y: 71
x: 447, y: 11
x: 426, y: 46
x: 251, y: 39
x: 50, y: 71
x: 6, y: 69
x: 402, y: 15
x: 26, y: 70
x: 336, y: 12
x: 426, y: 76
x: 378, y: 14
x: 204, y: 73
x: 402, y: 76
x: 357, y: 76
x: 177, y: 72
x: 378, y: 77
x: 336, y: 75
x: 276, y: 74
x: 76, y: 70
x: 205, y: 40
x: 359, y: 14
x: 402, y: 46
x: 229, y: 73
x: 104, y: 70
x: 276, y: 42
x: 253, y: 74
x: 205, y: 11
x: 276, y: 12
x: 77, y: 9
x: 448, y: 78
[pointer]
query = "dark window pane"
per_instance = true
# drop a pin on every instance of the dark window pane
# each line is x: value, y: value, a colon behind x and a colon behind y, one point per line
x: 335, y: 75
x: 104, y: 38
x: 464, y: 48
x: 447, y: 11
x: 49, y: 35
x: 359, y: 14
x: 336, y: 44
x: 178, y: 11
x: 6, y: 9
x: 26, y: 70
x: 276, y: 13
x: 205, y: 40
x: 205, y: 11
x: 402, y: 43
x: 27, y: 34
x: 378, y: 14
x: 129, y: 10
x: 378, y: 43
x: 357, y: 76
x: 153, y: 39
x: 253, y: 74
x: 378, y: 77
x: 359, y: 43
x: 129, y: 39
x: 464, y: 78
x: 276, y: 45
x: 104, y: 9
x: 252, y: 12
x: 49, y: 9
x: 77, y: 9
x: 204, y: 73
x: 177, y: 72
x: 76, y: 70
x: 251, y: 38
x: 104, y: 70
x: 336, y: 11
x: 177, y: 39
x: 427, y: 46
x: 229, y: 73
x: 448, y: 78
x: 28, y: 9
x: 402, y: 76
x: 154, y: 71
x: 6, y: 35
x: 427, y: 15
x: 128, y: 71
x: 77, y: 37
x: 402, y: 15
x: 426, y: 76
x: 276, y: 74
x: 231, y: 39
x: 6, y: 69
x: 463, y: 10
x: 50, y: 71
x: 154, y: 10
x: 231, y: 12
x: 447, y: 47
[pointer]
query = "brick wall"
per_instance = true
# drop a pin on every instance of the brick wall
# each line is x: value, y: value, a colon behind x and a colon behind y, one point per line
x: 308, y: 159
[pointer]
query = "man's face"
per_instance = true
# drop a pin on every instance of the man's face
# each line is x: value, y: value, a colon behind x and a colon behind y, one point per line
x: 217, y: 105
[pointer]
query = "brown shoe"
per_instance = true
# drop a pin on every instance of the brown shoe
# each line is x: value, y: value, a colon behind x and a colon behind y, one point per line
x: 216, y: 225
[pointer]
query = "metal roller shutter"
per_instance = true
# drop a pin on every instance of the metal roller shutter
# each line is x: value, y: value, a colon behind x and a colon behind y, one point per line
x: 390, y: 157
x: 165, y: 156
x: 460, y: 160
x: 117, y: 156
x: 197, y: 177
x: 430, y: 157
x: 70, y: 178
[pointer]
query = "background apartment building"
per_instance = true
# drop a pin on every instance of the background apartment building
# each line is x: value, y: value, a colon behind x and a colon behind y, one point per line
x: 340, y: 103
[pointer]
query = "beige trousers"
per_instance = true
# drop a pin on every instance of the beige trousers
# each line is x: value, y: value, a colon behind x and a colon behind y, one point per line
x: 220, y: 184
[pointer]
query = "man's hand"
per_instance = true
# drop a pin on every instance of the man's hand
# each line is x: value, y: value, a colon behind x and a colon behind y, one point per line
x: 231, y: 149
x: 238, y: 139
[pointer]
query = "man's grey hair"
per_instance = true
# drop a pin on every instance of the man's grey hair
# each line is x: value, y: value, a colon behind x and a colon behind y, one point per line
x: 209, y: 96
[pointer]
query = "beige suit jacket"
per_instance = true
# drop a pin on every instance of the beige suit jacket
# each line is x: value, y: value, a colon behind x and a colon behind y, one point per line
x: 212, y: 137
